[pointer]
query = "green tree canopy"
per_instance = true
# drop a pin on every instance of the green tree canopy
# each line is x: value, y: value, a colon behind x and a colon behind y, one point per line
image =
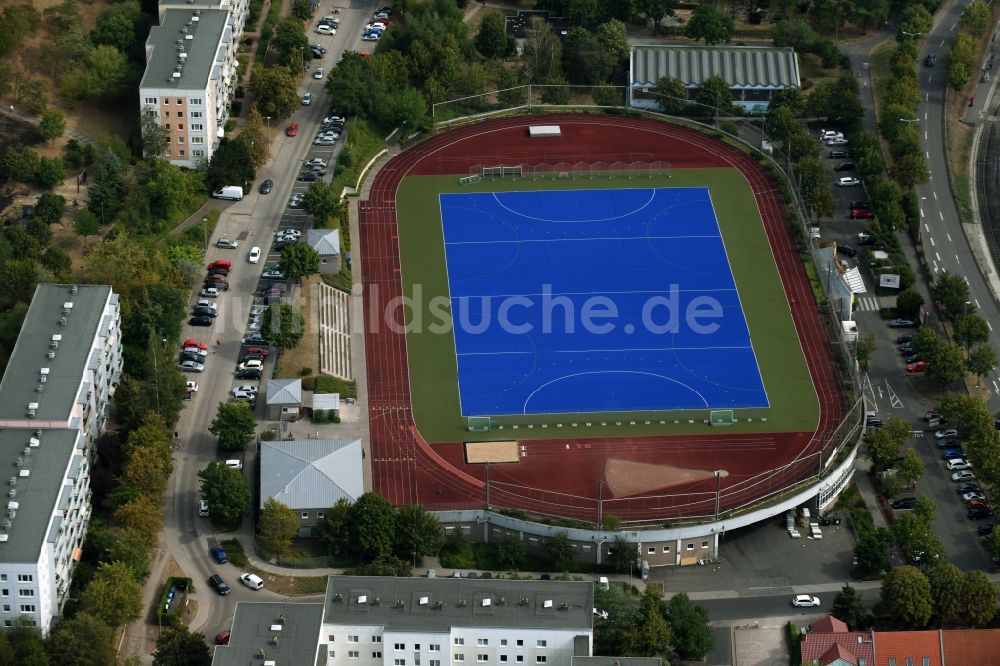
x: 276, y: 92
x: 850, y: 608
x: 277, y: 528
x: 84, y: 640
x: 980, y: 596
x: 226, y: 492
x: 946, y: 592
x: 905, y: 600
x: 692, y: 634
x: 560, y: 551
x: 333, y: 527
x: 113, y: 595
x: 230, y: 165
x: 371, y: 525
x: 511, y: 551
x: 417, y: 531
x: 298, y: 261
x: 282, y: 324
x: 795, y: 32
x: 179, y: 646
x: 492, y: 40
x: 671, y: 95
x: 709, y: 24
x: 716, y: 95
x: 585, y: 59
x: 52, y: 125
x: 234, y: 425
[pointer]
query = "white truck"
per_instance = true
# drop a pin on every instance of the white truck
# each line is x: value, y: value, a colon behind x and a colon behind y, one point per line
x: 234, y: 192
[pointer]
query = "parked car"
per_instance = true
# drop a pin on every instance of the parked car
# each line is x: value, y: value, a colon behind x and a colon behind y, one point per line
x: 254, y: 255
x: 219, y: 555
x: 964, y: 475
x: 292, y: 130
x: 904, y: 338
x: 865, y: 239
x: 316, y: 161
x: 838, y: 141
x: 252, y: 581
x: 265, y: 187
x: 288, y: 232
x: 308, y: 176
x: 217, y: 284
x: 847, y: 250
x: 905, y: 503
x: 191, y: 387
x: 958, y: 463
x: 259, y: 351
x: 326, y: 30
x: 839, y: 154
x: 215, y: 580
x: 844, y: 166
x: 202, y: 311
x: 234, y: 463
x: 225, y: 243
x: 319, y: 73
x: 307, y: 99
x: 250, y: 373
x: 916, y: 368
x: 272, y: 274
x: 979, y: 513
x: 968, y: 488
x: 222, y: 638
x: 848, y: 181
x: 952, y: 453
x: 255, y: 339
x: 946, y: 432
x: 862, y: 214
x: 973, y: 495
x: 985, y: 530
x: 200, y: 320
x: 902, y: 323
x: 804, y: 601
x: 209, y: 292
x: 189, y: 365
x: 244, y: 396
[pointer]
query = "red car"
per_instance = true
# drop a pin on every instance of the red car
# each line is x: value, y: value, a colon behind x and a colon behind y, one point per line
x: 292, y: 130
x: 222, y: 265
x: 978, y: 504
x: 222, y: 638
x: 919, y: 366
x: 191, y: 342
x: 256, y: 350
x: 862, y: 214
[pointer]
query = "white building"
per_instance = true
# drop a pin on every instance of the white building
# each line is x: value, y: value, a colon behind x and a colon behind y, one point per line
x: 376, y: 621
x: 191, y: 74
x: 55, y: 398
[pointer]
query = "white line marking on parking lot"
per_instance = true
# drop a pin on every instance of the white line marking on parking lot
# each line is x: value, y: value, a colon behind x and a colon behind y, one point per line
x: 938, y: 256
x: 966, y: 279
x: 989, y: 325
x: 935, y: 195
x: 941, y: 215
x: 894, y: 400
x: 976, y: 301
x: 926, y: 228
x: 921, y: 215
x: 949, y: 237
x: 942, y: 43
x: 952, y: 27
x: 932, y: 241
x: 995, y: 386
x: 927, y: 153
x: 957, y: 261
x: 935, y: 267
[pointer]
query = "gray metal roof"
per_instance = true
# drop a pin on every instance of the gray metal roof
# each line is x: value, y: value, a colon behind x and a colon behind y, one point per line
x: 254, y: 630
x: 324, y: 241
x: 202, y: 48
x: 284, y: 391
x: 72, y: 358
x: 311, y: 473
x: 751, y: 67
x: 438, y: 604
x: 38, y: 493
x: 326, y: 401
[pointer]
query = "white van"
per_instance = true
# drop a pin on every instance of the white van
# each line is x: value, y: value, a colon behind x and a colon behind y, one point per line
x: 234, y: 192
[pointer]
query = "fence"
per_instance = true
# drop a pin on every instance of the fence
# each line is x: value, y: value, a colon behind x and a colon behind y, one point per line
x: 571, y: 171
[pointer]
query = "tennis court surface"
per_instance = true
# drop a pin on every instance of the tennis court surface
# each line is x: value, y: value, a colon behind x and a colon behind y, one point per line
x: 579, y: 301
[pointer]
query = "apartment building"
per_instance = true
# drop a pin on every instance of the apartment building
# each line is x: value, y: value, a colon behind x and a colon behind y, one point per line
x: 379, y: 621
x: 191, y: 75
x: 55, y: 399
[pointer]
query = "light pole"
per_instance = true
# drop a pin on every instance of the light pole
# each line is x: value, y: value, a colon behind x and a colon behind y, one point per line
x: 268, y: 129
x: 204, y: 228
x: 909, y: 120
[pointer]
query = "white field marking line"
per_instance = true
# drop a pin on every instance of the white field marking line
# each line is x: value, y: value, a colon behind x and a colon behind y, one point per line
x: 966, y: 279
x: 606, y: 372
x: 927, y: 153
x: 652, y: 196
x: 595, y: 293
x: 927, y: 228
x: 925, y: 135
x: 599, y: 351
x: 561, y: 240
x: 932, y: 241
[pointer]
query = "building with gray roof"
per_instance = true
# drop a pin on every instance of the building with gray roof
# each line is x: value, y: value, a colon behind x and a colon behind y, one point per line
x: 311, y: 475
x: 55, y: 398
x: 752, y: 72
x: 191, y: 74
x: 282, y: 634
x: 326, y: 242
x: 283, y: 398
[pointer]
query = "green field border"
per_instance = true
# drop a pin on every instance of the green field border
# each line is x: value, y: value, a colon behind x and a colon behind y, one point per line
x: 431, y: 347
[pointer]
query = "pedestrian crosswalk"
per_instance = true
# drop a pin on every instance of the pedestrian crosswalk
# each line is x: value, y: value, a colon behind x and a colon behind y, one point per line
x: 868, y: 304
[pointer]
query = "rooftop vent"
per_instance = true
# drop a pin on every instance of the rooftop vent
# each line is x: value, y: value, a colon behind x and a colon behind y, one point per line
x: 363, y: 599
x: 51, y: 354
x: 27, y: 451
x: 197, y: 12
x: 338, y: 597
x: 275, y: 627
x: 188, y: 36
x: 400, y: 603
x: 564, y: 606
x: 39, y: 388
x: 19, y: 462
x: 12, y: 506
x: 524, y: 601
x: 34, y: 442
x: 500, y: 601
x: 274, y: 640
x: 177, y: 75
x: 547, y: 603
x: 32, y: 406
x: 24, y: 473
x: 423, y: 601
x: 74, y: 289
x: 43, y: 375
x: 376, y: 601
x: 195, y: 18
x: 13, y: 481
x: 486, y: 602
x: 12, y: 492
x: 56, y: 339
x: 4, y: 537
x: 462, y: 603
x: 62, y: 321
x: 7, y: 524
x: 439, y: 605
x: 67, y: 307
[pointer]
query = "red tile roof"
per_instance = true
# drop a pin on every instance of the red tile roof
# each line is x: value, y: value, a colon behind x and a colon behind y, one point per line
x: 898, y: 645
x: 830, y: 625
x: 972, y: 647
x: 838, y: 652
x: 815, y: 645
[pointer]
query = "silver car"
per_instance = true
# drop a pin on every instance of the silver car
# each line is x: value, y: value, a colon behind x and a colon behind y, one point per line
x: 190, y: 366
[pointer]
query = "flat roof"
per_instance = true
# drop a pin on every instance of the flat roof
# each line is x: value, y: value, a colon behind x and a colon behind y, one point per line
x: 438, y: 604
x: 174, y: 31
x: 66, y: 370
x: 286, y: 633
x: 750, y: 67
x: 38, y: 493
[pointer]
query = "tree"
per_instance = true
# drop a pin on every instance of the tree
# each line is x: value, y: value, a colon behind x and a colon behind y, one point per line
x: 611, y: 632
x: 613, y: 37
x: 322, y: 202
x: 882, y: 448
x: 795, y: 32
x: 276, y: 92
x: 277, y: 527
x: 407, y: 108
x: 908, y: 302
x: 652, y: 637
x: 106, y: 70
x: 456, y: 552
x: 254, y: 138
x: 282, y: 325
x: 387, y: 565
x: 655, y: 11
x: 946, y: 592
x: 511, y: 551
x: 179, y: 646
x: 715, y: 94
x: 608, y: 96
x: 709, y: 24
x: 230, y: 165
x: 154, y: 135
x: 371, y: 526
x: 52, y: 125
x: 909, y: 467
x: 225, y: 491
x: 147, y: 472
x: 961, y: 61
x: 872, y: 552
x: 119, y: 26
x: 585, y: 60
x: 131, y: 547
x: 83, y: 639
x: 980, y: 597
x: 19, y: 164
x: 905, y: 599
x: 976, y: 18
x: 671, y: 95
x: 492, y: 39
x: 910, y: 170
x: 332, y: 528
x: 835, y: 99
x: 946, y: 364
x: 298, y: 261
x: 864, y: 349
x: 234, y: 425
x: 542, y: 52
x: 692, y: 633
x: 981, y: 360
x: 849, y: 608
x: 142, y: 514
x: 560, y: 551
x: 623, y: 555
x: 113, y: 595
x: 417, y: 531
x: 970, y: 330
x: 50, y: 208
x: 106, y: 186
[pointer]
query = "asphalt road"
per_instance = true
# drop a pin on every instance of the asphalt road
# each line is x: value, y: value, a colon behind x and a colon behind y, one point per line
x: 252, y: 222
x: 772, y: 606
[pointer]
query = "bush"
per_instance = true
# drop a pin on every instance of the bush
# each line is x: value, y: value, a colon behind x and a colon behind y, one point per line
x: 234, y: 550
x: 181, y: 586
x: 230, y: 125
x: 237, y: 107
x: 456, y: 553
x: 305, y: 372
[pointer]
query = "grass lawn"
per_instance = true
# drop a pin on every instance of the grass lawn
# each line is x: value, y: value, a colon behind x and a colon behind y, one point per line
x: 433, y: 366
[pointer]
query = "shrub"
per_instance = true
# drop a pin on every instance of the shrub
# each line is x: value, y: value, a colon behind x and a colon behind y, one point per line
x: 234, y: 551
x: 305, y: 372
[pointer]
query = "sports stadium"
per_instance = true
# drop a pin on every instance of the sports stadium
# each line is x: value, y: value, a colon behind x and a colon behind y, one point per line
x: 576, y: 316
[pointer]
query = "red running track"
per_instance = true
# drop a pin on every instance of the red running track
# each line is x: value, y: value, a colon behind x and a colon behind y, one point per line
x: 568, y: 477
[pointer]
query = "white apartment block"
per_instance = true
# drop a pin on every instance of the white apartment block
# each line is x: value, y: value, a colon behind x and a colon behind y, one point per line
x: 383, y: 621
x: 55, y: 399
x: 191, y: 75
